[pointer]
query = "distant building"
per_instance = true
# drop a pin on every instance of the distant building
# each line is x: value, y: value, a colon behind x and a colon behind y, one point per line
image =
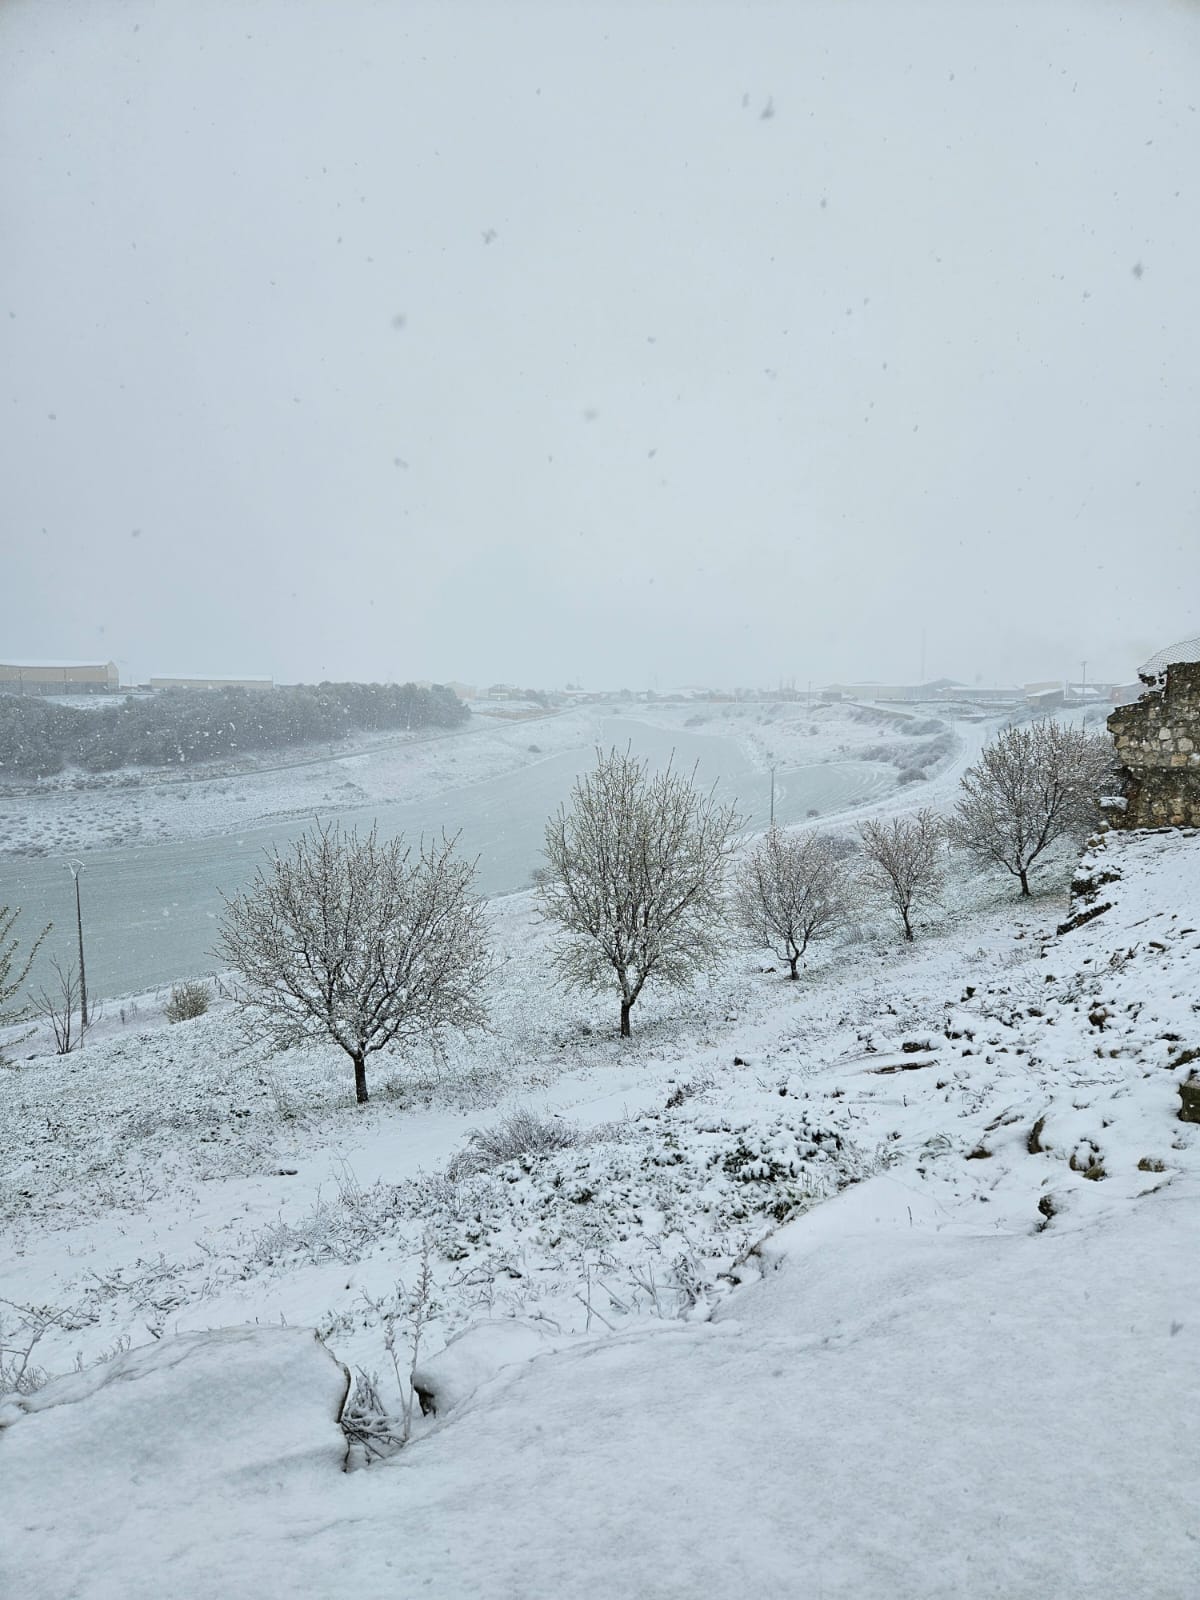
x: 212, y: 683
x: 984, y: 694
x: 872, y: 691
x: 1045, y: 696
x: 59, y: 677
x: 883, y: 693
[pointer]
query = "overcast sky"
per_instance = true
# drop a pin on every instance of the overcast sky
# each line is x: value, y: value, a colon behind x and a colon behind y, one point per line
x: 634, y: 344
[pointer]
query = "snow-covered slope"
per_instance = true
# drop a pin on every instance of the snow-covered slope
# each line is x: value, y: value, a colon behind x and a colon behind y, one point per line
x: 881, y: 1284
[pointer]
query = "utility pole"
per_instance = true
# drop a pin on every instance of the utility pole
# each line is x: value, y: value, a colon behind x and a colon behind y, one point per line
x: 1083, y: 685
x: 772, y: 796
x: 75, y: 868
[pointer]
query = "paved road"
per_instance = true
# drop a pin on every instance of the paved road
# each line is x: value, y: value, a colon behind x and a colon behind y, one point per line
x: 151, y: 910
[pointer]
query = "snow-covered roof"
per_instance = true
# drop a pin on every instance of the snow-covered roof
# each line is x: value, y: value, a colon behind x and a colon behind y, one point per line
x: 70, y: 665
x: 1185, y: 650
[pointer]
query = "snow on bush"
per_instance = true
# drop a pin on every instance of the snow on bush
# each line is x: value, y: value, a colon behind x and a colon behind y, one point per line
x: 187, y: 1001
x: 522, y: 1132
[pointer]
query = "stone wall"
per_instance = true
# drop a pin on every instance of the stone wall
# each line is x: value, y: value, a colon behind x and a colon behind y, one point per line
x: 1158, y: 744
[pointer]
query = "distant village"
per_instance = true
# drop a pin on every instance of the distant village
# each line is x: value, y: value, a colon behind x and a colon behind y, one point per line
x: 72, y: 678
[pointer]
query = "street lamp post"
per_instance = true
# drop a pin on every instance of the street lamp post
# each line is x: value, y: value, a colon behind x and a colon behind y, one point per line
x: 75, y: 868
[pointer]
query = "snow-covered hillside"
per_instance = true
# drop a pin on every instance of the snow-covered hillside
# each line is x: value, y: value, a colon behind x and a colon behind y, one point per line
x: 82, y: 811
x: 76, y: 811
x: 879, y: 1284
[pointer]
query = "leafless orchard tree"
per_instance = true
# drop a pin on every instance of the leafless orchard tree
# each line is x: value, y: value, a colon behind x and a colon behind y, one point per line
x: 1030, y: 787
x: 361, y: 941
x: 792, y: 889
x: 904, y: 861
x: 13, y: 969
x: 636, y: 871
x: 63, y: 1008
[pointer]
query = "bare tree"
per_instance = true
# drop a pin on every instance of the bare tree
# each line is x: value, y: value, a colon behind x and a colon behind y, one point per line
x: 360, y: 941
x: 636, y: 878
x: 13, y: 970
x: 63, y: 1009
x: 904, y: 861
x: 792, y: 889
x: 1030, y: 787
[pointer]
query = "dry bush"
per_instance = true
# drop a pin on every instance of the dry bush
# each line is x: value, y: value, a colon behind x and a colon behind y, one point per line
x: 521, y: 1133
x: 188, y: 1000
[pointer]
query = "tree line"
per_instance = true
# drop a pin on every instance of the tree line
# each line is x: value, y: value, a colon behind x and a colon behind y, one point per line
x: 180, y: 727
x: 366, y: 943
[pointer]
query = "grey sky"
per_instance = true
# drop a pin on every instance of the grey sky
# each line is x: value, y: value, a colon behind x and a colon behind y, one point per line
x: 630, y: 343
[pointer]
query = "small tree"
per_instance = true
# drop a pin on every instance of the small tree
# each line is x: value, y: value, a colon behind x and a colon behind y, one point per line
x: 636, y: 873
x: 63, y: 1009
x: 360, y: 941
x: 791, y: 889
x: 13, y: 970
x: 904, y: 862
x: 1030, y: 787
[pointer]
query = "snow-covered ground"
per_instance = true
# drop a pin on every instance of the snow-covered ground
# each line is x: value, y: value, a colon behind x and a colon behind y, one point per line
x: 800, y: 733
x: 881, y: 1283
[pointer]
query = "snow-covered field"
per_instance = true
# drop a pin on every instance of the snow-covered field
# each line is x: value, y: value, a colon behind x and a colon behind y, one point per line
x: 800, y: 733
x: 878, y: 1284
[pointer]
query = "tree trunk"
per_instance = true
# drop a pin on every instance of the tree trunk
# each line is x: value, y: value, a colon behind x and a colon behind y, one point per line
x: 626, y: 1007
x: 793, y: 973
x: 1024, y: 877
x: 360, y: 1077
x: 908, y: 933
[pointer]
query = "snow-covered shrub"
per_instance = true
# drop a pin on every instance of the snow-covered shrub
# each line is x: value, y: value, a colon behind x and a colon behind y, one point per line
x: 368, y: 1423
x: 521, y: 1133
x: 187, y: 1000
